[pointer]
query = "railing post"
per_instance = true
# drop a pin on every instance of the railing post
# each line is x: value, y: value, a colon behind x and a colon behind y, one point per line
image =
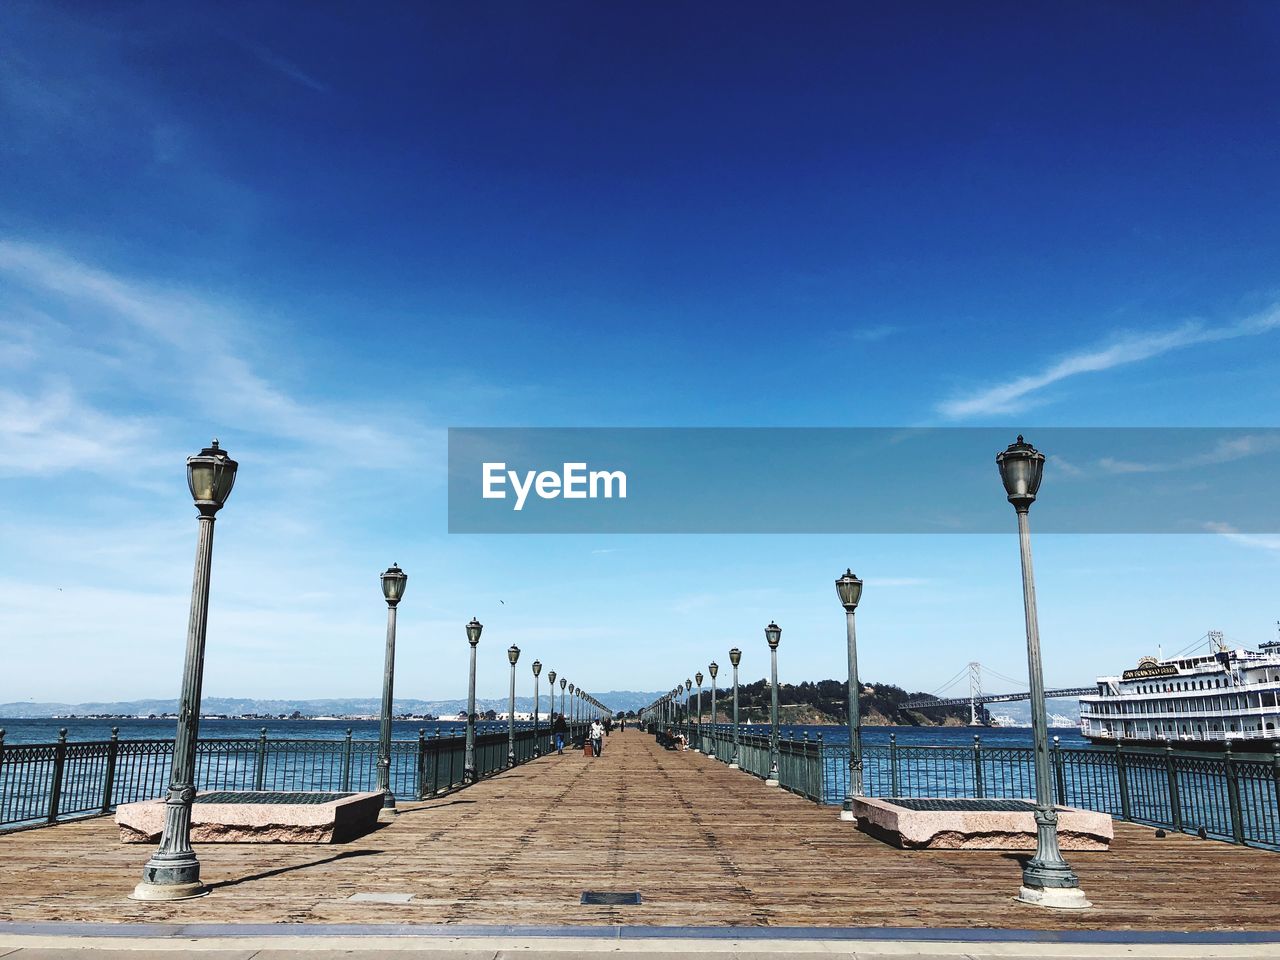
x: 109, y: 775
x: 822, y: 772
x: 346, y: 762
x: 1275, y: 769
x: 1122, y: 778
x: 979, y: 788
x: 260, y: 767
x: 1233, y: 796
x: 59, y: 759
x: 1060, y: 775
x: 1175, y: 805
x: 422, y: 761
x: 435, y: 764
x: 893, y: 763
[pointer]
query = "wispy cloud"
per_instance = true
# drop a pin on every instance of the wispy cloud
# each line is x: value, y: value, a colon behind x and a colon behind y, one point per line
x: 1224, y: 451
x: 286, y: 68
x: 1260, y: 541
x: 873, y: 334
x: 1128, y: 348
x: 184, y: 345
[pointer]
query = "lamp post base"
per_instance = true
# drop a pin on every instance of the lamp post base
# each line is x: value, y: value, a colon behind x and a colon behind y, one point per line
x: 1057, y: 898
x: 735, y: 765
x: 156, y: 892
x: 771, y: 783
x: 847, y: 815
x: 388, y: 814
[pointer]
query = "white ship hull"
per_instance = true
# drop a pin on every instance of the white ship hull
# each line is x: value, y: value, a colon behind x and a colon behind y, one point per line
x: 1228, y: 697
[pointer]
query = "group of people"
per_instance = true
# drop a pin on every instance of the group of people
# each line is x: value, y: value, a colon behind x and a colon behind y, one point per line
x: 600, y: 729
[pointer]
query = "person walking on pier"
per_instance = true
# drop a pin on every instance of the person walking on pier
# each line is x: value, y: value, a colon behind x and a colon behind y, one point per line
x: 559, y: 728
x: 597, y: 737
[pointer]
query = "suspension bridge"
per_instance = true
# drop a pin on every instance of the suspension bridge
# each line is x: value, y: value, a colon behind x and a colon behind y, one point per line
x: 976, y: 698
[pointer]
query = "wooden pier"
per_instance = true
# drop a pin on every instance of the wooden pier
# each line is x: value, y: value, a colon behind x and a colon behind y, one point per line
x: 703, y: 844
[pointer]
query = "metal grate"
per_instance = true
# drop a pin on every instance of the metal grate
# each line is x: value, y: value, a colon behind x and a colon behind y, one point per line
x: 963, y: 806
x: 266, y: 796
x: 610, y: 899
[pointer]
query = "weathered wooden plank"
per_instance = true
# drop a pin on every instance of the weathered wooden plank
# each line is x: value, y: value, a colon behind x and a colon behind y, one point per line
x: 703, y: 844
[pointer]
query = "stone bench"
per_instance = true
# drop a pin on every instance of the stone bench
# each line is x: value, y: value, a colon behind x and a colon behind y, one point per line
x: 944, y: 824
x: 248, y: 816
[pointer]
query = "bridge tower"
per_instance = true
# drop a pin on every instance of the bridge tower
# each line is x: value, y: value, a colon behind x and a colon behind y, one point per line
x: 975, y: 693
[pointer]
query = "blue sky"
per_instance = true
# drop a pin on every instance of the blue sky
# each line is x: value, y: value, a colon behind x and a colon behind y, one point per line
x: 326, y: 234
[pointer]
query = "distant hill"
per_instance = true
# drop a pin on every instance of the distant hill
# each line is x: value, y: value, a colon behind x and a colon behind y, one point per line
x: 808, y: 702
x: 356, y: 706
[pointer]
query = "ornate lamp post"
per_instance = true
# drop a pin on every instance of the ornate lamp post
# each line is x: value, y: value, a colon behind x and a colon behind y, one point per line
x: 688, y: 709
x: 713, y: 668
x: 551, y: 708
x: 735, y: 658
x: 1047, y: 881
x: 173, y: 872
x: 849, y: 590
x: 573, y: 704
x: 393, y: 583
x: 698, y: 729
x: 513, y: 654
x: 563, y: 681
x: 474, y: 629
x: 773, y: 635
x: 537, y: 669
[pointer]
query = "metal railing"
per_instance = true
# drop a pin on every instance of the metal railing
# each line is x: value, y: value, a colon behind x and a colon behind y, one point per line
x: 47, y: 782
x: 1226, y: 795
x: 800, y: 761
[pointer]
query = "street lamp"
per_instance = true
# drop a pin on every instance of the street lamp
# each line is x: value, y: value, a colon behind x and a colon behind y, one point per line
x: 698, y: 678
x: 393, y: 582
x: 735, y: 657
x: 573, y: 703
x: 713, y: 668
x: 773, y: 634
x: 513, y: 654
x: 688, y: 712
x: 173, y: 872
x: 1047, y: 881
x: 474, y: 629
x: 563, y: 681
x: 537, y: 669
x: 849, y: 590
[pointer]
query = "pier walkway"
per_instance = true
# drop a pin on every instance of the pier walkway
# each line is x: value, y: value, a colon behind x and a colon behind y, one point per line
x: 703, y: 844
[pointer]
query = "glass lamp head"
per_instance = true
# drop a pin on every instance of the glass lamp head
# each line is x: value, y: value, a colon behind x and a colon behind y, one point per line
x: 773, y: 634
x: 735, y: 656
x: 714, y: 669
x: 393, y: 581
x: 1021, y: 469
x: 513, y: 654
x: 474, y: 628
x: 210, y: 476
x: 849, y: 590
x: 537, y: 669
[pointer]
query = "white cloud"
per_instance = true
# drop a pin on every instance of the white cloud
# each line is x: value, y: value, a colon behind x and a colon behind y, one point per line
x: 1017, y: 394
x: 1260, y: 541
x: 53, y: 431
x: 873, y: 334
x: 1225, y: 451
x: 182, y: 345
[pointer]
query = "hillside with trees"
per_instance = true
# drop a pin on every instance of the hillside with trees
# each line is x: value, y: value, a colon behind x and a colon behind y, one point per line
x: 824, y: 702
